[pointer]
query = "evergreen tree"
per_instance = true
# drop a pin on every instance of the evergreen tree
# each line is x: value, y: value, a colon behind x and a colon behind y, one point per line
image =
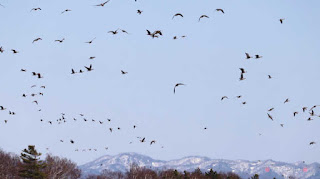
x: 32, y: 166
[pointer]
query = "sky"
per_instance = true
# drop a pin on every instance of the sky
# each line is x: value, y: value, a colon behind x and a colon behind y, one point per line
x: 207, y: 60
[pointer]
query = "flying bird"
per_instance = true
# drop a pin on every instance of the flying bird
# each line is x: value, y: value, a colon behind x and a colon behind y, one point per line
x: 123, y: 72
x: 241, y: 77
x: 221, y: 10
x: 102, y: 4
x: 281, y: 125
x: 242, y: 70
x: 270, y: 116
x: 304, y: 109
x: 294, y: 114
x: 89, y: 68
x: 152, y: 142
x: 113, y: 32
x: 281, y: 20
x: 72, y: 142
x: 37, y: 39
x: 177, y: 14
x: 286, y: 101
x: 311, y: 143
x: 270, y: 109
x: 269, y: 76
x: 203, y: 16
x: 90, y: 42
x: 248, y: 56
x: 36, y: 9
x: 1, y: 49
x: 72, y: 71
x: 14, y: 51
x: 139, y: 12
x: 67, y: 10
x: 224, y: 97
x: 178, y: 84
x: 60, y: 41
x: 258, y: 56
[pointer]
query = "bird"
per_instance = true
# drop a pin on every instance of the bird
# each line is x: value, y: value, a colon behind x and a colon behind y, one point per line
x: 286, y: 101
x: 152, y: 142
x: 205, y: 128
x: 1, y: 49
x: 258, y: 56
x: 221, y: 10
x: 239, y: 96
x: 139, y: 12
x: 72, y: 142
x: 2, y: 108
x: 109, y: 120
x: 242, y: 70
x: 36, y: 9
x: 281, y: 20
x: 270, y: 116
x: 269, y: 76
x: 175, y: 37
x: 123, y: 72
x: 110, y: 129
x: 14, y: 51
x: 309, y: 119
x: 43, y: 87
x: 113, y: 32
x: 178, y: 84
x: 244, y: 102
x: 177, y: 14
x: 203, y: 16
x: 241, y: 77
x: 102, y: 4
x: 80, y: 71
x: 67, y: 10
x: 61, y: 140
x: 23, y: 70
x: 24, y: 95
x: 294, y: 114
x: 5, y: 121
x: 224, y: 97
x: 134, y: 126
x: 91, y: 58
x: 37, y: 39
x: 72, y: 71
x: 281, y: 125
x: 35, y: 102
x: 124, y: 31
x: 311, y: 143
x: 60, y: 41
x: 143, y: 139
x: 39, y: 75
x: 89, y: 68
x: 90, y: 42
x: 248, y: 56
x: 311, y: 113
x: 270, y: 109
x: 304, y: 109
x: 100, y: 122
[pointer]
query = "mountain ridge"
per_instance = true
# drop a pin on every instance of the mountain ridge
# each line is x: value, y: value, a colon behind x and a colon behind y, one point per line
x: 244, y: 168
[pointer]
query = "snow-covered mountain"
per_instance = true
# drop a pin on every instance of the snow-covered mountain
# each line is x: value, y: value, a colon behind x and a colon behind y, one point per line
x: 266, y: 169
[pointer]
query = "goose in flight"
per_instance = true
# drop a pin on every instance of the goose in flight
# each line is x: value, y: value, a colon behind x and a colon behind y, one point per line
x: 294, y: 114
x: 72, y: 71
x: 14, y: 51
x: 123, y: 72
x: 37, y: 39
x: 286, y: 101
x: 152, y: 142
x: 60, y: 41
x: 113, y: 32
x: 248, y: 56
x: 281, y: 125
x: 90, y: 42
x: 258, y: 56
x: 72, y: 142
x: 139, y: 12
x: 304, y: 109
x: 281, y: 20
x: 1, y: 49
x: 242, y: 70
x: 177, y: 14
x: 102, y: 4
x: 36, y: 9
x: 270, y: 116
x: 202, y: 16
x: 224, y: 97
x: 221, y: 10
x: 143, y: 139
x: 89, y: 68
x: 241, y: 77
x: 67, y: 10
x: 239, y: 96
x: 178, y: 84
x: 269, y: 76
x: 270, y: 109
x: 312, y: 143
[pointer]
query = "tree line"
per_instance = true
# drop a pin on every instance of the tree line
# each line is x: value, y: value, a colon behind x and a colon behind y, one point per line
x: 29, y: 166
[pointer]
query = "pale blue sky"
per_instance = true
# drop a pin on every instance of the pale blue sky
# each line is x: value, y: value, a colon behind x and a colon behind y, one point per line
x: 207, y: 60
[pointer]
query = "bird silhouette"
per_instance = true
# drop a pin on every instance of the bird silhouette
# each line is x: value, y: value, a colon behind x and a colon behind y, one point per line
x: 36, y: 9
x: 123, y: 72
x: 114, y: 32
x: 90, y: 42
x: 281, y: 21
x: 177, y: 14
x: 152, y: 142
x: 241, y: 77
x: 248, y: 56
x: 203, y: 16
x: 304, y: 109
x: 37, y: 39
x: 242, y: 70
x: 89, y: 68
x: 178, y: 84
x: 270, y: 116
x: 286, y: 101
x: 1, y: 49
x: 102, y: 4
x: 14, y: 51
x: 269, y: 76
x: 270, y: 109
x: 60, y: 41
x: 72, y: 142
x: 221, y: 10
x: 294, y: 114
x: 67, y: 10
x: 72, y: 71
x: 224, y: 97
x: 312, y: 143
x: 258, y: 56
x: 139, y: 12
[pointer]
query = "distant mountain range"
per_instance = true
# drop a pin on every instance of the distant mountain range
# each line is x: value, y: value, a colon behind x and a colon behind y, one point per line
x: 245, y: 169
